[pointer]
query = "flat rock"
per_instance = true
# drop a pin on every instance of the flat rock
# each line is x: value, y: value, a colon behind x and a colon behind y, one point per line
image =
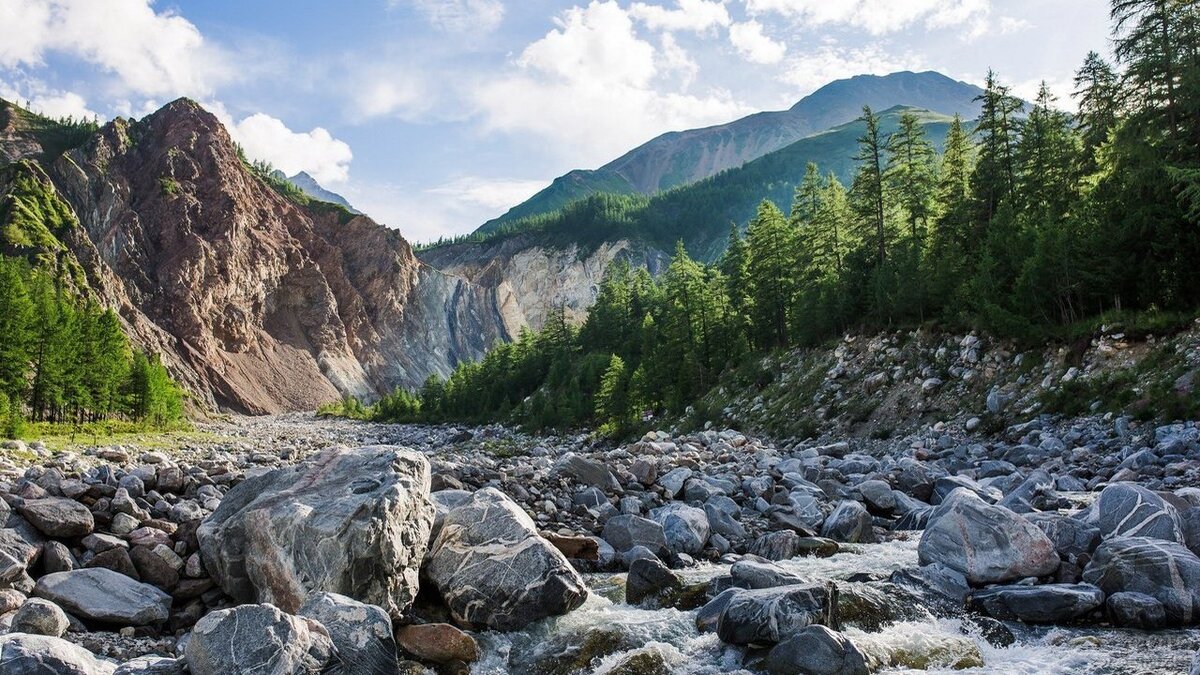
x: 1046, y: 603
x: 57, y: 517
x: 104, y: 596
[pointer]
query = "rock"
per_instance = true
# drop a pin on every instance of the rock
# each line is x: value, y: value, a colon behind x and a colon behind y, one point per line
x: 115, y: 559
x: 1125, y: 510
x: 258, y: 638
x: 938, y: 578
x: 878, y: 497
x: 673, y: 480
x: 493, y: 569
x: 589, y: 472
x: 649, y: 579
x: 152, y: 665
x: 988, y: 544
x: 1047, y: 603
x: 1136, y: 610
x: 1073, y: 538
x: 771, y: 615
x: 626, y: 532
x: 25, y: 654
x: 1163, y: 570
x: 104, y: 596
x: 709, y: 615
x: 361, y: 633
x: 643, y: 471
x: 849, y: 523
x: 437, y: 643
x: 1035, y: 493
x: 722, y: 523
x: 751, y: 573
x: 786, y: 544
x: 575, y: 547
x: 155, y: 568
x: 57, y: 517
x: 40, y: 617
x: 685, y: 527
x: 816, y: 650
x: 355, y: 522
x: 645, y: 661
x: 56, y: 557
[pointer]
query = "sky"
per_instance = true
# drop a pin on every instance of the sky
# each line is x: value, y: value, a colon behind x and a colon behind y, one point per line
x: 435, y: 115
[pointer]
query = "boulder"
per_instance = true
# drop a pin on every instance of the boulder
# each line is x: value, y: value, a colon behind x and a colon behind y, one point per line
x: 626, y: 532
x: 816, y: 650
x: 438, y: 643
x: 493, y: 569
x: 361, y: 633
x: 1164, y: 570
x: 152, y: 665
x: 771, y: 615
x: 589, y: 472
x: 354, y: 522
x: 57, y: 517
x: 1047, y: 603
x: 106, y: 597
x: 878, y: 497
x: 1073, y: 538
x: 685, y: 527
x: 786, y: 544
x: 1136, y: 610
x: 25, y: 654
x: 849, y: 522
x: 988, y: 544
x: 1126, y: 510
x: 40, y: 617
x: 752, y: 572
x: 259, y: 638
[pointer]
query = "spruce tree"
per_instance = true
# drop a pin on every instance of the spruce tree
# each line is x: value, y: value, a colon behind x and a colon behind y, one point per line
x: 911, y: 174
x: 868, y: 197
x: 772, y: 245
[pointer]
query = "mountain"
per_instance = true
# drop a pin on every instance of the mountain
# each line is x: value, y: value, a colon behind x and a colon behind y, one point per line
x: 258, y: 302
x: 683, y: 157
x: 309, y: 186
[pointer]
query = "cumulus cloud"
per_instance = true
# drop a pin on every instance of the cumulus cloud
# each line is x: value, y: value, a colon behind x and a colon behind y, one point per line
x: 815, y: 68
x: 595, y: 88
x: 690, y: 15
x: 459, y: 16
x: 754, y: 45
x: 317, y: 152
x: 41, y: 98
x: 877, y: 16
x: 490, y: 193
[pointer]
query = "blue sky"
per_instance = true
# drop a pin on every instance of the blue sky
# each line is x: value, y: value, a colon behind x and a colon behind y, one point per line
x: 435, y: 115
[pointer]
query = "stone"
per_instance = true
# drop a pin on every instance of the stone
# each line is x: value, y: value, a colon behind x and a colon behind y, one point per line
x: 649, y: 579
x: 589, y: 472
x: 492, y: 569
x: 629, y: 531
x: 154, y: 568
x: 1164, y: 570
x: 40, y: 617
x: 258, y: 638
x: 786, y: 544
x: 355, y: 522
x: 1035, y: 493
x: 771, y: 615
x: 1125, y: 510
x: 988, y: 544
x: 849, y: 522
x: 26, y: 654
x: 361, y: 633
x: 878, y: 497
x: 152, y: 665
x: 106, y: 597
x: 722, y: 523
x: 56, y: 557
x: 57, y: 517
x: 1073, y: 538
x: 437, y: 643
x: 673, y: 480
x: 115, y: 559
x: 1136, y: 610
x: 685, y: 527
x: 1045, y: 603
x: 816, y: 650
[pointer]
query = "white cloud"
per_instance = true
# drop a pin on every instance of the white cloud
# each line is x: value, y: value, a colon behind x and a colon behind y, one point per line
x: 876, y: 16
x: 755, y: 46
x: 815, y: 68
x: 48, y: 101
x: 496, y: 194
x: 459, y: 16
x: 324, y: 157
x: 379, y: 93
x: 692, y: 15
x: 149, y: 53
x: 595, y: 88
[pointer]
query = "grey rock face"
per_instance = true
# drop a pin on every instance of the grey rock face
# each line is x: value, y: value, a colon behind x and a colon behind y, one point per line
x: 493, y: 569
x: 685, y: 527
x: 104, y: 596
x: 25, y: 654
x: 1047, y: 603
x: 355, y: 522
x: 361, y: 633
x: 40, y: 617
x: 1125, y: 510
x: 816, y: 650
x: 56, y: 517
x: 1163, y: 570
x: 987, y: 543
x: 258, y: 638
x: 771, y: 615
x: 627, y: 532
x: 850, y: 522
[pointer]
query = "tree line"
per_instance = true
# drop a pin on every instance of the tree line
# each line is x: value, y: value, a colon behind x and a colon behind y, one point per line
x: 1034, y: 220
x: 64, y: 359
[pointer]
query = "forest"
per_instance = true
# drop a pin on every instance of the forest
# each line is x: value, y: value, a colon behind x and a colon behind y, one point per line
x: 1030, y: 221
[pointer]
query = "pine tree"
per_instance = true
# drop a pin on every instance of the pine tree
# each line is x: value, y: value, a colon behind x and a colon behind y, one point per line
x: 1046, y: 160
x: 16, y: 327
x: 612, y: 399
x: 911, y: 175
x: 1097, y: 90
x: 772, y: 245
x: 995, y: 173
x: 827, y: 239
x: 868, y: 197
x: 807, y: 201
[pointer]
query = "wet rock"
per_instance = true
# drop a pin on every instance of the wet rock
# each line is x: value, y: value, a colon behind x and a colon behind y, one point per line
x: 258, y: 638
x: 816, y: 650
x: 437, y: 643
x: 771, y: 615
x: 1047, y: 603
x: 849, y: 522
x: 1136, y: 610
x: 871, y: 606
x: 361, y: 633
x: 988, y: 544
x: 40, y: 617
x: 1073, y: 538
x: 56, y: 517
x: 651, y: 582
x: 626, y: 532
x: 1163, y: 570
x: 685, y: 527
x: 786, y: 544
x: 644, y: 661
x: 105, y: 597
x: 1125, y: 510
x: 493, y: 569
x: 25, y: 654
x: 709, y: 615
x: 355, y: 522
x: 754, y: 573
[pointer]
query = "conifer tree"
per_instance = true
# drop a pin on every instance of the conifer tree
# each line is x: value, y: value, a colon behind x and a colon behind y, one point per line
x: 868, y: 193
x: 911, y: 174
x: 772, y: 245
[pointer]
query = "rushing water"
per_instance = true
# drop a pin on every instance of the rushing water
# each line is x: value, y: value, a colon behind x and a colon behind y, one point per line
x: 605, y: 631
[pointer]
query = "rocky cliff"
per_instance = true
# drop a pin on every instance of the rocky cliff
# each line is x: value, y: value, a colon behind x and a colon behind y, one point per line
x: 259, y: 304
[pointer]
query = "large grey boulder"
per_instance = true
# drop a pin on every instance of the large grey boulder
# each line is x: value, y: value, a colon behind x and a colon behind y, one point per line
x: 849, y: 522
x: 361, y: 633
x: 104, y: 596
x: 259, y: 639
x: 57, y: 517
x: 627, y: 532
x: 25, y: 654
x: 1164, y: 570
x: 492, y: 569
x: 354, y: 522
x: 770, y: 615
x: 589, y: 472
x: 1127, y: 510
x: 685, y: 527
x: 988, y: 544
x: 40, y: 617
x: 816, y: 650
x: 1046, y: 603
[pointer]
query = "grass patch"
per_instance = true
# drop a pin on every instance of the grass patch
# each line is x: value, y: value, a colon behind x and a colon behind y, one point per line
x: 146, y: 436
